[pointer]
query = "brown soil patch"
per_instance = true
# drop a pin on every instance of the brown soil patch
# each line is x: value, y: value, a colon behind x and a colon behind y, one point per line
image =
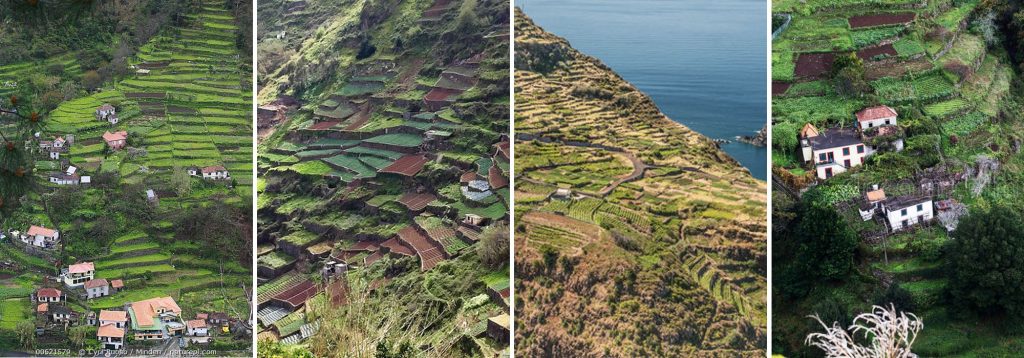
x: 880, y: 19
x: 779, y: 88
x: 814, y: 65
x: 868, y: 53
x: 896, y: 69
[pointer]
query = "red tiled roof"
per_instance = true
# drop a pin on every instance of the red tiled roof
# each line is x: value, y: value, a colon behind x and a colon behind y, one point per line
x: 145, y: 311
x: 81, y: 268
x: 196, y: 323
x: 873, y: 113
x: 117, y: 283
x: 119, y: 135
x: 109, y: 330
x: 408, y: 165
x: 48, y: 293
x: 116, y: 316
x: 41, y: 231
x: 99, y: 282
x: 468, y: 177
x: 503, y: 149
x: 213, y: 169
x: 43, y: 307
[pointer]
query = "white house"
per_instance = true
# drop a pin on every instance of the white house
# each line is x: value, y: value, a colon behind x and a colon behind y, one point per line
x: 902, y: 213
x: 833, y: 151
x: 197, y: 327
x: 872, y: 202
x: 65, y: 179
x: 97, y: 288
x: 42, y: 237
x: 876, y: 116
x: 76, y: 275
x: 107, y: 113
x: 110, y: 336
x: 216, y: 172
x: 48, y: 295
x: 117, y: 318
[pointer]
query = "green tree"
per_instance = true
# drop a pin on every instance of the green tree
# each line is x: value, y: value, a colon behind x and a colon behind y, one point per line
x: 494, y: 245
x: 18, y: 125
x: 824, y: 247
x: 26, y: 331
x: 985, y: 262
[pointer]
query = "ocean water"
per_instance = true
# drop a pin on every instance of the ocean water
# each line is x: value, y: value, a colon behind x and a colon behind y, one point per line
x: 703, y: 62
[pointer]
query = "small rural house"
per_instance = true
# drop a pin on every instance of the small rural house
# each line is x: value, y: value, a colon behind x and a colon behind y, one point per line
x: 833, y: 151
x: 498, y: 327
x: 55, y: 152
x: 215, y: 172
x: 879, y: 121
x: 42, y: 237
x: 116, y: 285
x: 116, y: 140
x: 151, y: 197
x: 107, y: 113
x: 69, y: 177
x: 76, y: 275
x: 118, y: 319
x: 155, y: 318
x: 902, y: 213
x: 49, y: 294
x: 876, y: 116
x: 872, y: 202
x: 110, y: 336
x: 474, y: 220
x: 90, y: 318
x: 97, y: 288
x: 561, y: 193
x: 197, y: 328
x: 60, y: 313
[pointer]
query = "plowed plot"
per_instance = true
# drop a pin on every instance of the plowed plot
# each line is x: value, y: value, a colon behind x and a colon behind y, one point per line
x: 181, y: 110
x: 360, y: 119
x: 396, y: 247
x: 429, y: 253
x: 441, y: 94
x: 323, y: 125
x: 416, y: 202
x: 868, y: 53
x: 297, y: 295
x: 153, y: 65
x: 880, y: 19
x: 814, y: 65
x: 779, y: 88
x: 898, y: 69
x: 408, y: 165
x: 154, y: 95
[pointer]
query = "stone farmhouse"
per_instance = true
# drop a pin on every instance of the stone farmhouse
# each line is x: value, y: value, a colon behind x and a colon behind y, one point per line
x: 97, y: 288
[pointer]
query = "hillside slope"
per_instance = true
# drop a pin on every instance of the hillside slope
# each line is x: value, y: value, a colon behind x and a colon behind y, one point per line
x: 658, y: 245
x: 391, y: 160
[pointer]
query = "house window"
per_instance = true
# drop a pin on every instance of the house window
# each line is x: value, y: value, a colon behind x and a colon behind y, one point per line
x: 846, y: 151
x: 903, y: 212
x: 860, y: 149
x: 871, y: 124
x: 886, y: 121
x: 821, y: 157
x: 920, y: 207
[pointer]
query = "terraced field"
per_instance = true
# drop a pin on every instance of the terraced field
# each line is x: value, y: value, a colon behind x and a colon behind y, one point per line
x: 950, y: 87
x: 183, y: 99
x: 393, y: 165
x: 622, y: 197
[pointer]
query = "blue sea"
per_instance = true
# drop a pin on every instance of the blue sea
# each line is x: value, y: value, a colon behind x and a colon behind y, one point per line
x: 703, y: 62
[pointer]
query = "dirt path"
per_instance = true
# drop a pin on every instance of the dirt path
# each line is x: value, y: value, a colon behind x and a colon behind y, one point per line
x: 639, y: 167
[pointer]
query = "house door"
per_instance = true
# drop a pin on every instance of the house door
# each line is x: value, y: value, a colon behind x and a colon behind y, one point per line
x: 828, y: 173
x: 846, y: 163
x: 831, y: 157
